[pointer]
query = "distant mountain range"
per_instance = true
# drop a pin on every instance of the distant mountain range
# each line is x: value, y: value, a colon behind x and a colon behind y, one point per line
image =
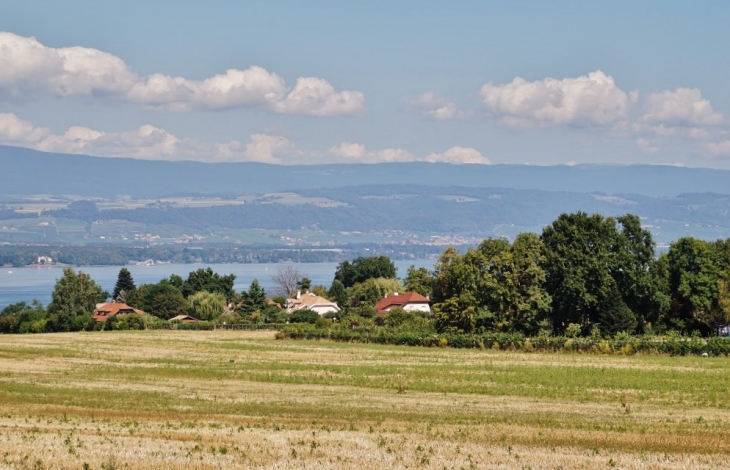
x: 337, y: 205
x: 25, y: 172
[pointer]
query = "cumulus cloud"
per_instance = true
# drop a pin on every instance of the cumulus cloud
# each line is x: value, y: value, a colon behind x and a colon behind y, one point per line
x: 29, y: 68
x: 437, y: 107
x: 592, y: 99
x: 267, y: 148
x: 681, y: 107
x: 146, y: 142
x: 316, y: 97
x: 153, y: 143
x: 459, y: 155
x: 16, y: 131
x: 350, y: 152
x: 719, y: 149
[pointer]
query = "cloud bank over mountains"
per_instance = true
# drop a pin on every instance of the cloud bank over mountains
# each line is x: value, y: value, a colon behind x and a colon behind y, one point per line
x: 154, y: 143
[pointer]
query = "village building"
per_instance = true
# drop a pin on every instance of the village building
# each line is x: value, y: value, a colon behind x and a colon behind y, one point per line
x: 313, y: 302
x: 103, y: 312
x: 410, y: 302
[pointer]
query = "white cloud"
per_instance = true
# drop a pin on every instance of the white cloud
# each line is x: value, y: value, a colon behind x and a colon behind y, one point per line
x: 28, y: 68
x: 316, y: 97
x: 592, y: 99
x: 437, y: 107
x: 15, y: 131
x: 267, y: 148
x: 682, y: 107
x: 348, y: 150
x: 459, y: 155
x: 647, y: 146
x: 720, y: 149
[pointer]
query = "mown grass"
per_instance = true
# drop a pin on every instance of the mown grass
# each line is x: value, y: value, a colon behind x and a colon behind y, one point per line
x: 217, y: 399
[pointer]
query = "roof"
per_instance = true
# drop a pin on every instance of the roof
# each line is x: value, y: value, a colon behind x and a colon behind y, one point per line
x: 307, y: 301
x: 400, y: 301
x: 111, y: 309
x: 184, y: 319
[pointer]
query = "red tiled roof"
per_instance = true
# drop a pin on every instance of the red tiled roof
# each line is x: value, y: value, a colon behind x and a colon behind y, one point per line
x: 106, y: 311
x: 400, y: 301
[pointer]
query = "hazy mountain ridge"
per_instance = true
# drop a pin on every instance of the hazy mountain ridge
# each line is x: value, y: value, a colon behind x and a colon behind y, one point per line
x: 28, y: 171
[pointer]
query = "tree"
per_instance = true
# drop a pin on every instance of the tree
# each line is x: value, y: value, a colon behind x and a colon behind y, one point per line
x: 695, y: 280
x: 418, y: 280
x: 209, y: 281
x: 372, y: 290
x: 364, y: 268
x: 455, y: 315
x: 615, y: 316
x: 164, y: 300
x: 124, y: 286
x: 73, y: 301
x: 207, y: 305
x: 23, y: 318
x: 304, y: 284
x: 587, y: 257
x: 501, y: 283
x: 338, y: 293
x: 287, y: 279
x: 253, y: 300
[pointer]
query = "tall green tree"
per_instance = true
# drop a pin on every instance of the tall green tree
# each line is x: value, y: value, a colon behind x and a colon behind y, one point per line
x: 363, y: 268
x: 163, y: 300
x: 503, y: 282
x: 73, y: 301
x: 253, y: 300
x: 124, y: 286
x: 209, y: 281
x: 695, y: 280
x: 418, y: 280
x: 338, y: 293
x: 587, y: 257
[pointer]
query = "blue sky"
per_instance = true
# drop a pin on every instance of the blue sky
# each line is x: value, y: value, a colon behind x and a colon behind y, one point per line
x: 312, y: 82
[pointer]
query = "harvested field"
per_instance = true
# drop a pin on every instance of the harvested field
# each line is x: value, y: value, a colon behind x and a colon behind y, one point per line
x: 230, y: 399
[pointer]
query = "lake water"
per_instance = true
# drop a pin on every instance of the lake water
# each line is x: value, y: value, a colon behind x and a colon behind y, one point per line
x: 26, y: 284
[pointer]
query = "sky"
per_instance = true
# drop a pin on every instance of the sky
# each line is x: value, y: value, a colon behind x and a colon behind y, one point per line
x: 292, y: 82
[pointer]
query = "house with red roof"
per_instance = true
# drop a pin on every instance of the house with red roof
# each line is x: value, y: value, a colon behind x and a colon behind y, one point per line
x: 410, y: 302
x: 104, y: 312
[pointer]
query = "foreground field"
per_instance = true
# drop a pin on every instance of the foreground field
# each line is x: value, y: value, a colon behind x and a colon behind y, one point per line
x: 223, y: 399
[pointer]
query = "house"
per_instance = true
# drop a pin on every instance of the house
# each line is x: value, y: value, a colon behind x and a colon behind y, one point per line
x: 313, y: 302
x: 410, y: 302
x: 184, y: 319
x: 104, y: 312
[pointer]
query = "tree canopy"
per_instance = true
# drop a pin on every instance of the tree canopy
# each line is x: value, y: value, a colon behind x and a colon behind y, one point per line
x: 363, y: 268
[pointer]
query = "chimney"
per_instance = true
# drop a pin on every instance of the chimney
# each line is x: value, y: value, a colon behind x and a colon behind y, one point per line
x: 299, y: 294
x: 386, y: 295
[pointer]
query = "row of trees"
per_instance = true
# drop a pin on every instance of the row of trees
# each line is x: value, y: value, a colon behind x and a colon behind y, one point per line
x: 585, y: 274
x: 584, y: 271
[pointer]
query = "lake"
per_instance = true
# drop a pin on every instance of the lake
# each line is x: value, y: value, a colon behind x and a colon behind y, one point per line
x: 26, y: 284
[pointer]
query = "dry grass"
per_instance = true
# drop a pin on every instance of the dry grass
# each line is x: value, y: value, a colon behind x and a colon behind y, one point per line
x: 222, y: 399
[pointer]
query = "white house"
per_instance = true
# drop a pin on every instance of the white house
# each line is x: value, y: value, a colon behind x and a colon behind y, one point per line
x: 309, y: 301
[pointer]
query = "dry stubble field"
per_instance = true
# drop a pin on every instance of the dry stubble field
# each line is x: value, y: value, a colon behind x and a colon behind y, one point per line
x: 225, y: 399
